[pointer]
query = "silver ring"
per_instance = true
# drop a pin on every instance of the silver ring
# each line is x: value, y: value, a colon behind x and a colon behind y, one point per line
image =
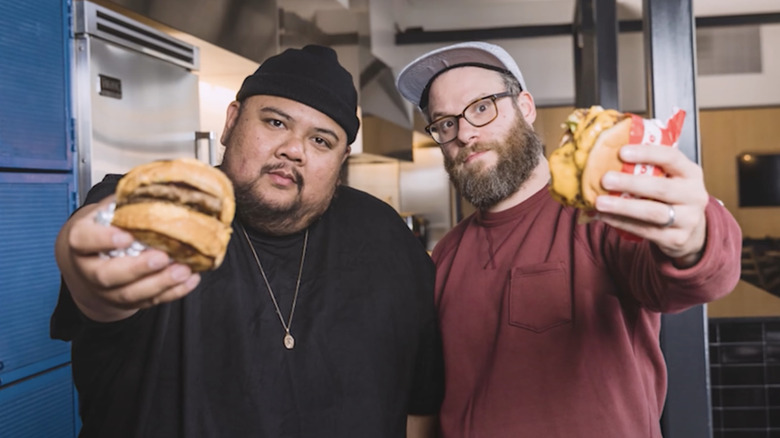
x: 671, y: 217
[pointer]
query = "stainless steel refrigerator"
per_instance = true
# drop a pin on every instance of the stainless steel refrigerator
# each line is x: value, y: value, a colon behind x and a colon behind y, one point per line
x: 135, y: 95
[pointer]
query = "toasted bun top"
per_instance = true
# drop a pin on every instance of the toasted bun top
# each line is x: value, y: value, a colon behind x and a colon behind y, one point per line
x: 188, y: 171
x: 603, y: 157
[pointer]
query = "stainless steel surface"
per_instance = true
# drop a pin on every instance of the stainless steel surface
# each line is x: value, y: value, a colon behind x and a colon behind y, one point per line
x: 211, y: 136
x: 378, y: 95
x: 90, y: 18
x: 246, y: 27
x: 131, y: 107
x: 426, y: 190
x: 380, y: 99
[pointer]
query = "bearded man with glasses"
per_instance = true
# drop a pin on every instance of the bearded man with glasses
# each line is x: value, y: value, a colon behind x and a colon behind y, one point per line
x: 551, y: 327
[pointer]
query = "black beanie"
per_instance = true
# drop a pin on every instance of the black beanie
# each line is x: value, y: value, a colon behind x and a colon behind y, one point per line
x: 312, y: 76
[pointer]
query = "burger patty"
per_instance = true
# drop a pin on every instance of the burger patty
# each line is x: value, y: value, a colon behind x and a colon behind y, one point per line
x: 178, y: 194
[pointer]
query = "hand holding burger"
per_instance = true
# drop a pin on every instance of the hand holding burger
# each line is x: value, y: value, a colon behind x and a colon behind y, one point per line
x: 590, y: 147
x: 183, y: 207
x: 181, y: 210
x: 653, y: 191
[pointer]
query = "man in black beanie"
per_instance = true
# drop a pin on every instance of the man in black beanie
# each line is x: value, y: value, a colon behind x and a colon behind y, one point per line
x: 320, y: 321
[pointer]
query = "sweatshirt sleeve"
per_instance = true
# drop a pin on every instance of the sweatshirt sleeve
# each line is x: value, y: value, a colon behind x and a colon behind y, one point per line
x: 654, y: 281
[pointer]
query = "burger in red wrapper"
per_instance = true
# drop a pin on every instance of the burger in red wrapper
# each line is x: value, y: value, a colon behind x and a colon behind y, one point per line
x: 590, y: 146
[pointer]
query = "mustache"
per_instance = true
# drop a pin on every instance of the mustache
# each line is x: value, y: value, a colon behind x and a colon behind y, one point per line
x: 464, y: 153
x: 296, y: 175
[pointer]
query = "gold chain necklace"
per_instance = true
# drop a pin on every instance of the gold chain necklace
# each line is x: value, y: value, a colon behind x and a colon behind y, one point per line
x: 289, y: 341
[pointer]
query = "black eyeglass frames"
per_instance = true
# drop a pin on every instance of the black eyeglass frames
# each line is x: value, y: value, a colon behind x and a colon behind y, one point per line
x: 478, y: 113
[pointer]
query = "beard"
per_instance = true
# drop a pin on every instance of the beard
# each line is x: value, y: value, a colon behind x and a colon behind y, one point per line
x: 255, y: 210
x: 518, y: 156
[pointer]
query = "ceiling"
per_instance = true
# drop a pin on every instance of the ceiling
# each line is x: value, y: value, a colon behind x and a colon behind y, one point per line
x: 469, y: 14
x: 332, y: 17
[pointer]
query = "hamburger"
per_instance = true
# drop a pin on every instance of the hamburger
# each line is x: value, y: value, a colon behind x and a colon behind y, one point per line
x: 183, y: 207
x: 588, y: 148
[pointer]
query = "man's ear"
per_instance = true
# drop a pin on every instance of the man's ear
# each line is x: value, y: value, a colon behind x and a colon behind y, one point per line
x: 231, y: 118
x: 527, y: 106
x: 346, y: 154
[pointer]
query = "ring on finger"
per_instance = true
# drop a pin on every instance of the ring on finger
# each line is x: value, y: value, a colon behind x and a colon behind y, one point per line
x: 672, y: 216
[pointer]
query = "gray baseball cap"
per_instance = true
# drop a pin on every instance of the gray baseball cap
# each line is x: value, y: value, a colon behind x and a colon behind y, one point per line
x: 415, y: 78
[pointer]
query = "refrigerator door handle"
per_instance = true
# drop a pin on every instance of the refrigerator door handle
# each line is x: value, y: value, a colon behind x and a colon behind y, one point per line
x: 211, y: 137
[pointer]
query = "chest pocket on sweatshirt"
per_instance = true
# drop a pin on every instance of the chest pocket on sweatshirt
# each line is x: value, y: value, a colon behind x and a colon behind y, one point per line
x: 539, y: 297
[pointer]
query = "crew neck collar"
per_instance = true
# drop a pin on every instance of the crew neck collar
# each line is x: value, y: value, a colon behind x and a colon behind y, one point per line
x: 491, y: 219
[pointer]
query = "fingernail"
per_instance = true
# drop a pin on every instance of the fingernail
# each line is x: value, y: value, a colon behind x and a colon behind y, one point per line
x: 180, y: 273
x: 605, y: 202
x: 628, y: 153
x: 157, y: 261
x: 192, y: 281
x: 610, y: 179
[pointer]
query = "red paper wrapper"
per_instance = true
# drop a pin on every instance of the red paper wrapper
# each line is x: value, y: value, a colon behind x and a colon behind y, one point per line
x: 651, y: 132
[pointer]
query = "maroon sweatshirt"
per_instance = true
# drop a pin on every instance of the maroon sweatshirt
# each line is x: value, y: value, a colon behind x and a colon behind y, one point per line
x: 551, y: 328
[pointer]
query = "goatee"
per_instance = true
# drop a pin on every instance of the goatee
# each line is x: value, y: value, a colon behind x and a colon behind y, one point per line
x: 518, y: 156
x: 256, y: 211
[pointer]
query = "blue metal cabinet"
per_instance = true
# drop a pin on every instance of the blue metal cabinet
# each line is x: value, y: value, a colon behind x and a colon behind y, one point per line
x: 37, y: 194
x: 34, y: 85
x: 33, y: 207
x: 39, y: 407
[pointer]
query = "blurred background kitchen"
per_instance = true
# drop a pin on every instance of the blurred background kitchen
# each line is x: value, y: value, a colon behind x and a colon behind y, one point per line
x: 88, y: 88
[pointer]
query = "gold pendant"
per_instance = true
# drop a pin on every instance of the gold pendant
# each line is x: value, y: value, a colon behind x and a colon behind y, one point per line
x: 289, y: 341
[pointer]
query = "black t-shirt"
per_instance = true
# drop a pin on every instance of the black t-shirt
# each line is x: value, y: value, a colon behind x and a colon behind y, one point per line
x: 367, y: 349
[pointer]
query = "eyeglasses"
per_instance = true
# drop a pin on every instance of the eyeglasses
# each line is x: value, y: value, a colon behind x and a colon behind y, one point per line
x: 478, y: 113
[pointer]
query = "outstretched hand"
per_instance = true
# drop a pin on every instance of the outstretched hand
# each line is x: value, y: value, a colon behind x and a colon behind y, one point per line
x: 109, y: 289
x: 666, y: 211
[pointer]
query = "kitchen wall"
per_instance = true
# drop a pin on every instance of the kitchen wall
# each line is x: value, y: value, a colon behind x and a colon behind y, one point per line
x: 724, y: 135
x: 426, y: 190
x: 378, y: 176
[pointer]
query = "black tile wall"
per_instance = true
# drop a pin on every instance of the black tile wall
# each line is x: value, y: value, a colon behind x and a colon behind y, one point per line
x: 732, y: 374
x: 745, y: 377
x: 743, y: 434
x: 773, y: 374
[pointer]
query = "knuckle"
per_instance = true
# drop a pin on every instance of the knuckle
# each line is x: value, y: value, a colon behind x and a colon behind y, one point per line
x: 678, y: 240
x: 124, y: 298
x: 72, y: 241
x: 178, y: 291
x: 153, y: 301
x: 101, y: 279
